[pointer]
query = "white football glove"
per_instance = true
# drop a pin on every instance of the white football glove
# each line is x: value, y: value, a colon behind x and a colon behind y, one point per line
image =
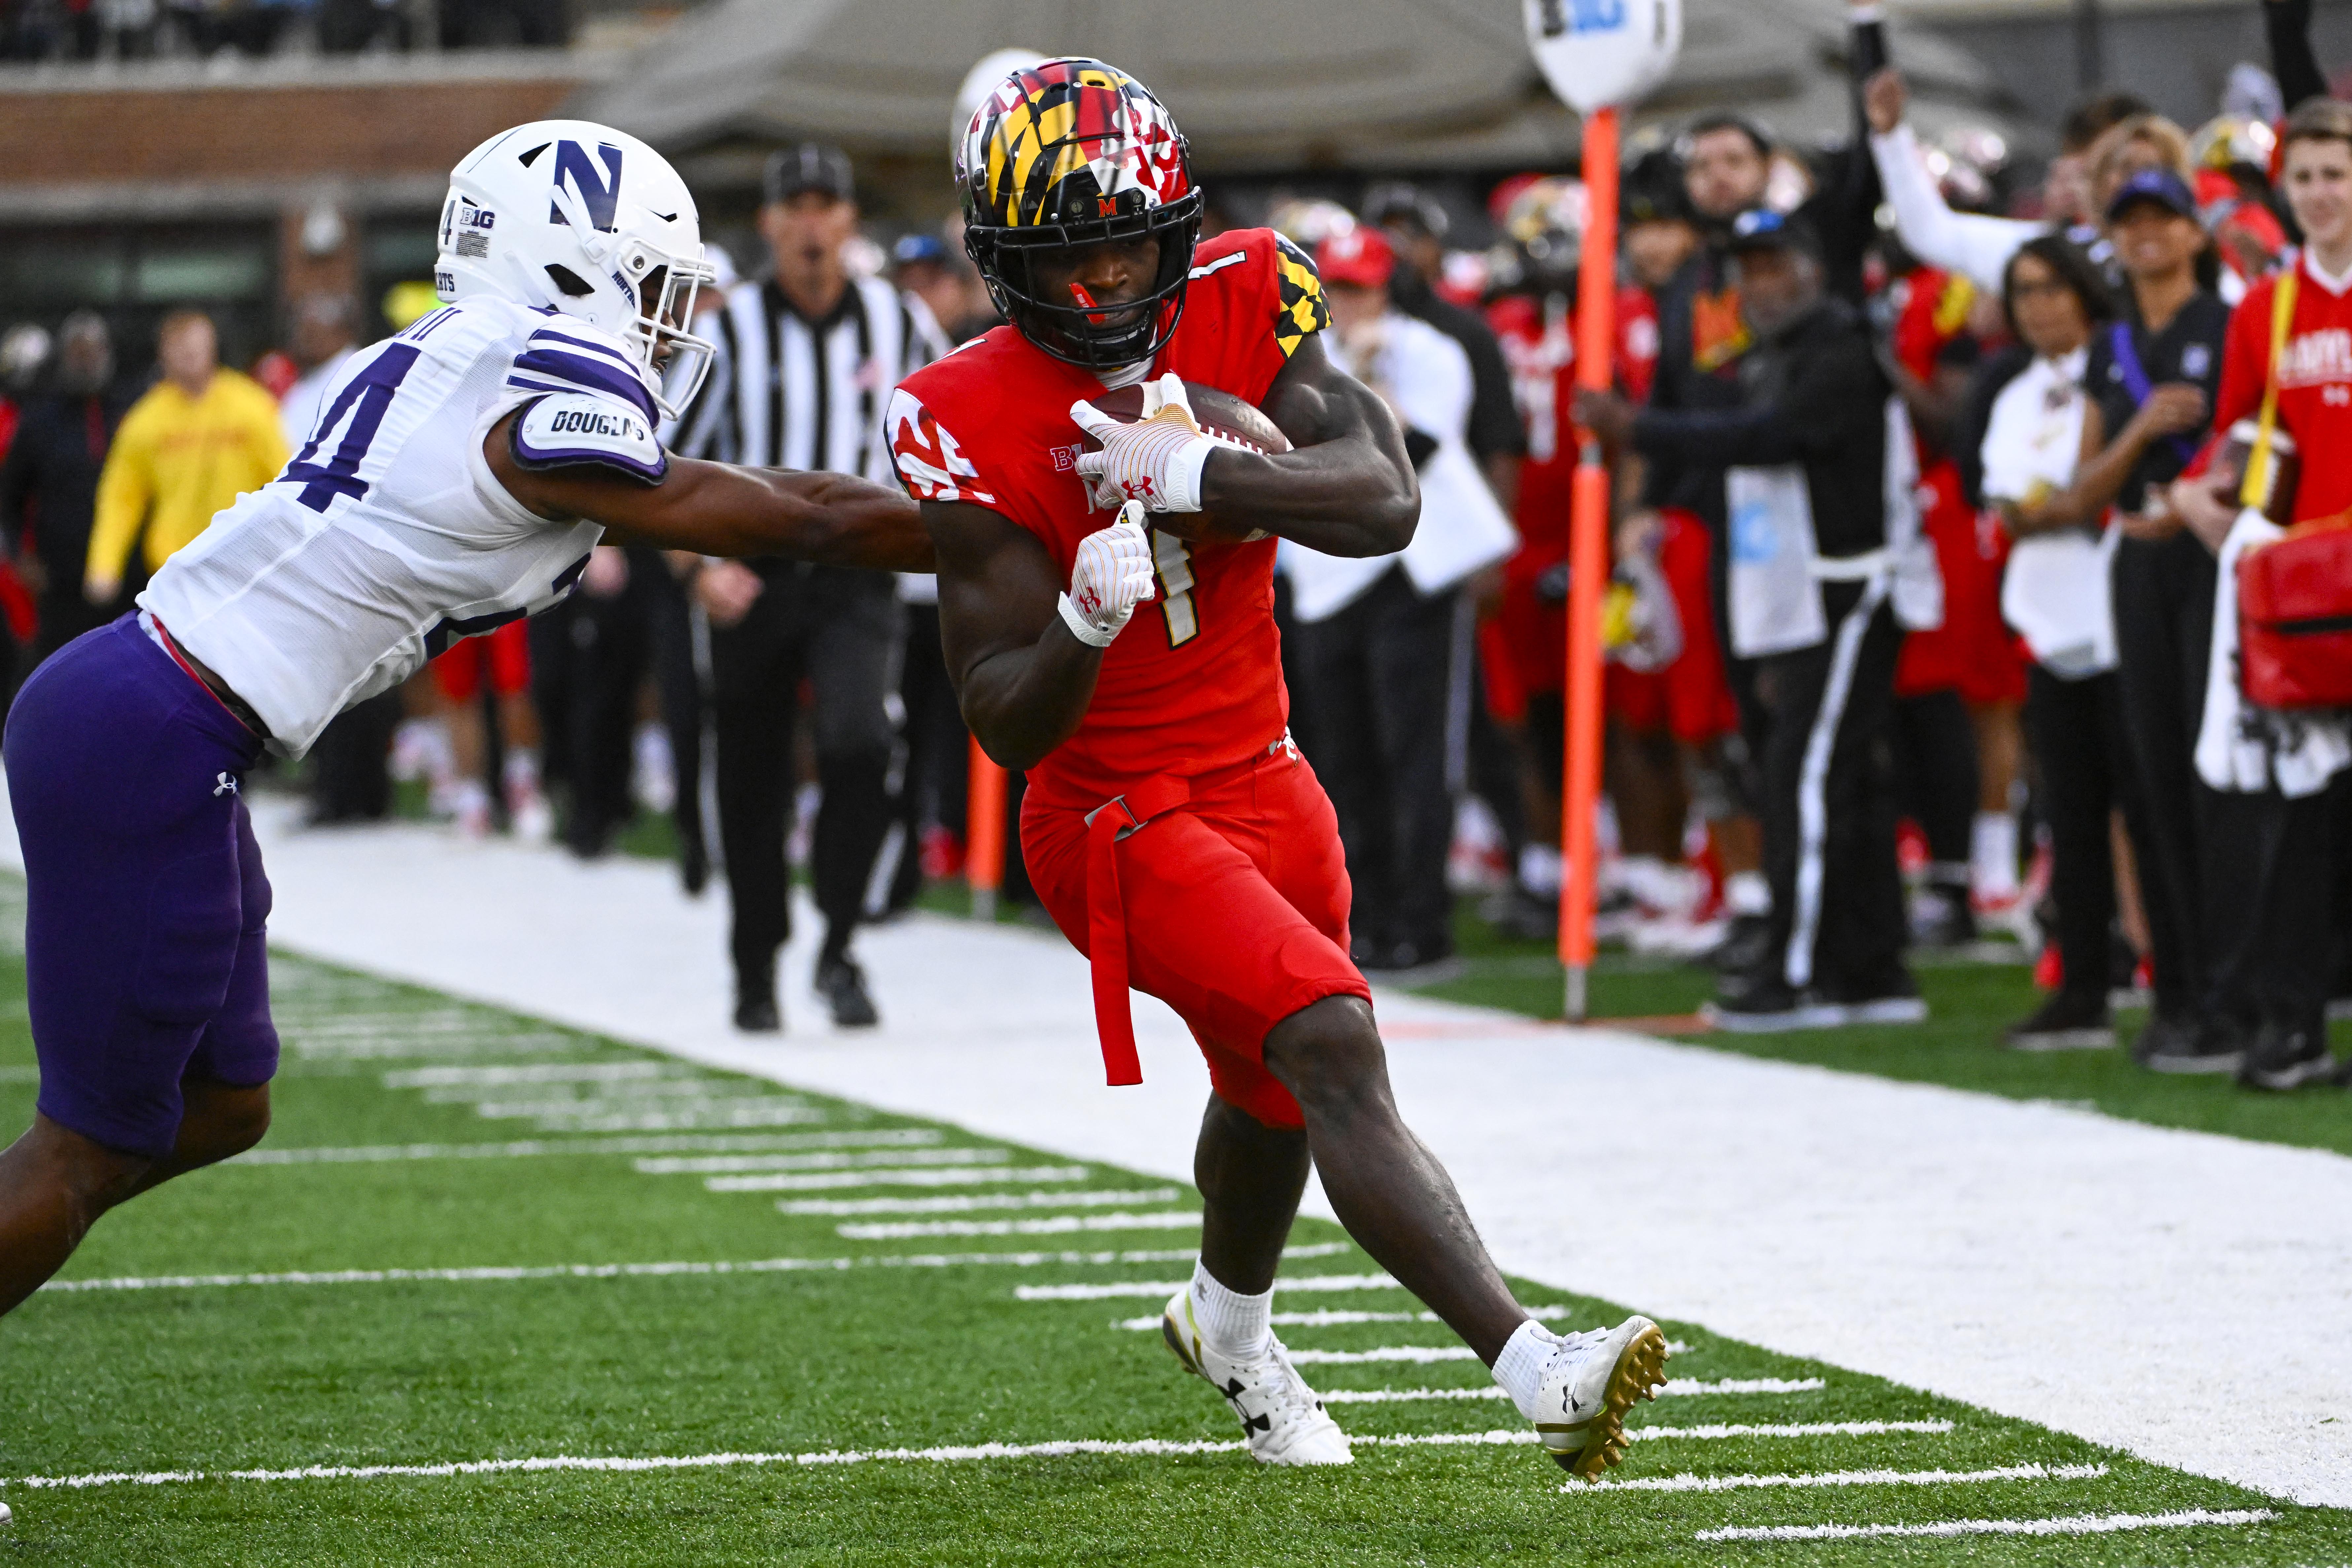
x: 1156, y: 460
x: 1113, y: 574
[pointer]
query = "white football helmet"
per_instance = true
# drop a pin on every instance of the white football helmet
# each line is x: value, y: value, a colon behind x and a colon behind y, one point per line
x: 581, y: 218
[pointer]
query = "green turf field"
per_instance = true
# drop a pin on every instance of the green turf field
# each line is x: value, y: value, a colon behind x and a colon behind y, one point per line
x: 479, y: 1238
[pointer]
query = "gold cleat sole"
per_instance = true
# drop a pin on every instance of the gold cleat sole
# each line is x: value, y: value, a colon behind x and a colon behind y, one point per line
x: 1640, y: 1373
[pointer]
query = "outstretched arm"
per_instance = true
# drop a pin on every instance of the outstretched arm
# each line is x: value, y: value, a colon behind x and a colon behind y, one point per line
x: 1022, y: 656
x: 718, y: 509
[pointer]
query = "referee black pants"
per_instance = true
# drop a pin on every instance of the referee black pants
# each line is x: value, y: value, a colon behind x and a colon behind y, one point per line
x: 839, y: 630
x: 1837, y: 919
x: 1376, y: 679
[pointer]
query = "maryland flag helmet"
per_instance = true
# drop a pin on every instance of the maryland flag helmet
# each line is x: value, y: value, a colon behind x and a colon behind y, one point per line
x: 1074, y: 153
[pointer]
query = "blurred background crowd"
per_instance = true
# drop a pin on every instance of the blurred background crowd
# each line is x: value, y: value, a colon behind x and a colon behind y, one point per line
x: 1980, y: 742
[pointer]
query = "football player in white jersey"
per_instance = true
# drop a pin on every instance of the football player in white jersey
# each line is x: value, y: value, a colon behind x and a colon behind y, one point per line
x: 456, y: 479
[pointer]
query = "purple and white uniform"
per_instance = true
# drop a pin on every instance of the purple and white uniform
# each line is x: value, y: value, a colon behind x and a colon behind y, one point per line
x: 384, y: 539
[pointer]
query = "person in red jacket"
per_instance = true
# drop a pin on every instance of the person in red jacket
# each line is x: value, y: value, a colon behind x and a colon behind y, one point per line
x: 2283, y: 901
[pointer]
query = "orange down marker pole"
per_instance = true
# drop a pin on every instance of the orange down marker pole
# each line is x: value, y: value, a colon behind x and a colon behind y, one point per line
x: 1588, y: 564
x: 983, y: 833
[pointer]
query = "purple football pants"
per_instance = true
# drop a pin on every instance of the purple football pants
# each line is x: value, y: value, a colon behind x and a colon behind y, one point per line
x: 143, y: 940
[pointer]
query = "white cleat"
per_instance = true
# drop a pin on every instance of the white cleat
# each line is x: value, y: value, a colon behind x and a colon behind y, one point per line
x: 1594, y: 1380
x: 1282, y: 1420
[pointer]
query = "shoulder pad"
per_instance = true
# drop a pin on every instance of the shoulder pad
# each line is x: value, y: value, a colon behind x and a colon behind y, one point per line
x: 565, y: 428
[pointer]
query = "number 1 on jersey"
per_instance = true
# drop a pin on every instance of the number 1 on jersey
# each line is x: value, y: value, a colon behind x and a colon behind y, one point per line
x: 1175, y: 565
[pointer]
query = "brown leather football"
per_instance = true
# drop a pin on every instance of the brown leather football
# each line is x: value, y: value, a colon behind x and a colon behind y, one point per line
x: 1223, y: 418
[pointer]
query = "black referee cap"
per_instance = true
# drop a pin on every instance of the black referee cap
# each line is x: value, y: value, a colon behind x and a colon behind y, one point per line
x: 811, y: 166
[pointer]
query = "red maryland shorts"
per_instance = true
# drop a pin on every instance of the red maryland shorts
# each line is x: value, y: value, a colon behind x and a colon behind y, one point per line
x: 504, y: 653
x: 1236, y: 905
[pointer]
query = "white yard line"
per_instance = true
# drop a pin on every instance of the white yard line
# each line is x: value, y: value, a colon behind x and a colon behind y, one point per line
x: 2044, y: 1262
x: 503, y: 1272
x: 536, y: 1072
x: 970, y: 1202
x: 1419, y: 1355
x: 1677, y: 1388
x: 2077, y: 1524
x: 1792, y: 1429
x: 881, y: 1158
x: 1170, y: 1219
x: 1689, y: 1483
x: 1158, y: 1288
x: 1331, y: 1317
x: 1147, y: 1447
x: 934, y: 1177
x: 534, y: 1148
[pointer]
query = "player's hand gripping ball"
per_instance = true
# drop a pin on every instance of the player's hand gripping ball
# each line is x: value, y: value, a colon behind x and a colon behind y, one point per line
x: 1112, y: 575
x: 1150, y: 442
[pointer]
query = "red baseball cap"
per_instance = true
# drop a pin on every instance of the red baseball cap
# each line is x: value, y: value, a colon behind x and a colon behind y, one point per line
x: 1362, y: 256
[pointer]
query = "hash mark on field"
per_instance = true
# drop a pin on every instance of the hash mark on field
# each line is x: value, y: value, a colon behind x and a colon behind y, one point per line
x: 1152, y: 1288
x: 902, y: 1158
x: 1689, y: 1483
x: 1171, y: 1219
x: 533, y: 1147
x: 495, y: 1273
x: 967, y: 1203
x: 1677, y: 1387
x: 2075, y: 1524
x: 941, y: 1176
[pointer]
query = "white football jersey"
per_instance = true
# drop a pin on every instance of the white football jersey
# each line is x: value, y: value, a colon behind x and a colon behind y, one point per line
x: 386, y: 537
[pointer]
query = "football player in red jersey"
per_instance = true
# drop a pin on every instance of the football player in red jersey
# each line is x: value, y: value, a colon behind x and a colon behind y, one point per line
x: 1170, y: 828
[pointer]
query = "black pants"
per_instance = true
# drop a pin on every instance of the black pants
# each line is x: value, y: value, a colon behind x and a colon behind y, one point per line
x: 678, y: 686
x: 2282, y: 894
x: 612, y: 648
x: 2193, y: 837
x: 1376, y: 678
x: 1936, y: 773
x: 348, y: 779
x: 841, y: 631
x: 933, y: 786
x: 2087, y: 772
x: 1828, y: 801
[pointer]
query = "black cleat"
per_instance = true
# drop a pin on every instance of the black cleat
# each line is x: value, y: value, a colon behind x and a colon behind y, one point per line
x: 2182, y: 1046
x: 842, y: 984
x: 2068, y: 1021
x: 758, y: 1016
x: 2287, y: 1056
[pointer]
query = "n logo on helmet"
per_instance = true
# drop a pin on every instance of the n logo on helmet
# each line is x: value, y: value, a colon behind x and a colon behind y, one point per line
x: 601, y: 194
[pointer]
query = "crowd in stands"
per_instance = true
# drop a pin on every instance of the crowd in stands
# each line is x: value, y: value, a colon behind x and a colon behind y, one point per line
x: 34, y: 31
x: 1923, y: 627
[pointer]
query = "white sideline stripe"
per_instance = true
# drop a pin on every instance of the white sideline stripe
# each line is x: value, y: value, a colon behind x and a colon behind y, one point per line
x: 1677, y: 1386
x: 1689, y: 1483
x: 2075, y: 1524
x: 939, y: 1176
x: 968, y: 1202
x: 1328, y: 1317
x: 1144, y: 1446
x: 532, y: 1147
x: 704, y: 1164
x: 1155, y: 1288
x: 1170, y: 1219
x: 635, y: 1270
x: 539, y: 1072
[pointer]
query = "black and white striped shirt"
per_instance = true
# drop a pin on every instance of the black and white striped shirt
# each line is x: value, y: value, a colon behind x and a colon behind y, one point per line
x: 787, y: 392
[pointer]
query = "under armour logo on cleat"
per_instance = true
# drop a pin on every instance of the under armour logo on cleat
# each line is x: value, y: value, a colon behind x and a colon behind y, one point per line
x: 1257, y: 1422
x: 227, y: 785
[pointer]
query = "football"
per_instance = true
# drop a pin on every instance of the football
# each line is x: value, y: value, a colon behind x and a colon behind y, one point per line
x: 1221, y: 417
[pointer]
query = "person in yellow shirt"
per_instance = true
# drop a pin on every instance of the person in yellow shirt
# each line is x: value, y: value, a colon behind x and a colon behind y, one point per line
x: 198, y: 439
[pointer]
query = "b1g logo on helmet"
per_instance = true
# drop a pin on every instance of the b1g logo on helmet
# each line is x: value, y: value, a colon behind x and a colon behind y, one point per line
x: 599, y: 191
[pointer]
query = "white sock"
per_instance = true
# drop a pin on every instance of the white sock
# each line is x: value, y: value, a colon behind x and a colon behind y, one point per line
x: 522, y: 770
x: 1520, y: 1368
x: 1748, y: 893
x: 1235, y: 1325
x: 1992, y: 855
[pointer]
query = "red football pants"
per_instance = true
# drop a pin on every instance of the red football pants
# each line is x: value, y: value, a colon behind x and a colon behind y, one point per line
x: 1232, y: 898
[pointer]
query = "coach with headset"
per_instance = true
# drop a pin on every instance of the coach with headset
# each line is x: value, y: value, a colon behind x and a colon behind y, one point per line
x: 806, y: 359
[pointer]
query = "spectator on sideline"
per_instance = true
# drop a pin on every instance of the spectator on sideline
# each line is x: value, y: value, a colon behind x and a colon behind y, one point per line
x: 1377, y: 635
x: 805, y: 358
x: 48, y: 484
x: 1807, y: 458
x: 322, y: 340
x: 2042, y: 431
x: 2277, y: 892
x: 199, y: 439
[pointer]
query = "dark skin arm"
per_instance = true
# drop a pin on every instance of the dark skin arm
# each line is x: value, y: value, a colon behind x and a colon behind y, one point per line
x: 1346, y: 489
x: 718, y: 509
x: 2107, y: 464
x: 1022, y: 679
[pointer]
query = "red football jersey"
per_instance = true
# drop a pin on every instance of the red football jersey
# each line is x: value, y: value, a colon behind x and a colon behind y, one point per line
x: 1195, y: 680
x: 1539, y: 339
x: 2314, y: 385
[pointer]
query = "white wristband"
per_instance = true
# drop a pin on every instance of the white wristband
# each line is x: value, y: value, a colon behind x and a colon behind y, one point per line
x: 1085, y: 630
x: 1184, y: 475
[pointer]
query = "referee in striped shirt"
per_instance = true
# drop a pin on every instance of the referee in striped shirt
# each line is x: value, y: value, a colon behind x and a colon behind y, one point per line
x: 807, y: 360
